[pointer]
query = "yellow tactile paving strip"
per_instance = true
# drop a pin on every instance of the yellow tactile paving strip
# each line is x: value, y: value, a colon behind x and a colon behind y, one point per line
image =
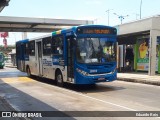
x: 17, y: 79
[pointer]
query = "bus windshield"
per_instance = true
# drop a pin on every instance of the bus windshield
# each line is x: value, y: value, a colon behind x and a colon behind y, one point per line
x: 95, y: 50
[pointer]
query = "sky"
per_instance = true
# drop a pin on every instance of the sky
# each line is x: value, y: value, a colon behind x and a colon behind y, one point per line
x: 79, y: 9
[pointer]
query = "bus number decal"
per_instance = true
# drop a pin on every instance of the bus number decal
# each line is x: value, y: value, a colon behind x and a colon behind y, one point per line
x: 47, y: 63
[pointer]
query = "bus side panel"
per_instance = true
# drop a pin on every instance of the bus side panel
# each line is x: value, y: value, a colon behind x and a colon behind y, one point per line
x: 63, y: 70
x: 21, y: 65
x: 48, y: 71
x: 26, y: 64
x: 33, y: 65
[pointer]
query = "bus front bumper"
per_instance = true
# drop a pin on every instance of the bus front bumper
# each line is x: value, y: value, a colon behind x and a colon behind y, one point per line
x: 82, y: 79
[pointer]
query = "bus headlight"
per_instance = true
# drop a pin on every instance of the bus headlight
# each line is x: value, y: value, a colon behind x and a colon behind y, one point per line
x: 82, y: 72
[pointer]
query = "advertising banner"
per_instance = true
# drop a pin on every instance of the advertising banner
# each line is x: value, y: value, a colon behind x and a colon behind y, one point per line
x: 143, y: 55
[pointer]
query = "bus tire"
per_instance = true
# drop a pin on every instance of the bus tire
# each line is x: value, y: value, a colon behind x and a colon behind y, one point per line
x: 59, y: 79
x: 28, y: 72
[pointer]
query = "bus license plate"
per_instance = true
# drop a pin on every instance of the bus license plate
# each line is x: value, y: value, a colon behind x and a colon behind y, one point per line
x: 101, y: 78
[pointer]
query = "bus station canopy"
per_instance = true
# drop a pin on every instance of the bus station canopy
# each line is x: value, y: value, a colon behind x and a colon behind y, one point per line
x: 28, y: 24
x: 129, y: 34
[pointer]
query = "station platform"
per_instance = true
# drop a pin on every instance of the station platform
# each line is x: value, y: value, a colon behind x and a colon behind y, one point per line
x: 139, y: 78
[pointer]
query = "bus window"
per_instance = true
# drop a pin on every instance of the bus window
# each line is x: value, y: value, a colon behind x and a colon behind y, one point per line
x: 26, y: 49
x: 18, y: 49
x: 32, y: 48
x: 95, y: 50
x: 1, y: 58
x: 47, y: 46
x: 58, y: 45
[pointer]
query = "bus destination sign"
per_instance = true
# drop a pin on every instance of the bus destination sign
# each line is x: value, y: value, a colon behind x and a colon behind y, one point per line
x: 96, y: 31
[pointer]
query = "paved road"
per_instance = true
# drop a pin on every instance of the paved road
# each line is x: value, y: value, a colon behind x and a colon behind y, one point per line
x: 26, y: 94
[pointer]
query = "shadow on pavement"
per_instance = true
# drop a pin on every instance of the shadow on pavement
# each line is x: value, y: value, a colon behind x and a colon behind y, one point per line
x: 12, y: 99
x: 83, y: 88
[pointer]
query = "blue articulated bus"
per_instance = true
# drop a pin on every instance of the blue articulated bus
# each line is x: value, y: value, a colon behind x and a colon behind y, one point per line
x: 78, y: 55
x: 21, y: 54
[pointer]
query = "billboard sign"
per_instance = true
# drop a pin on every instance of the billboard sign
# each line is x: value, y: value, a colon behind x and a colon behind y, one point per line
x: 3, y: 34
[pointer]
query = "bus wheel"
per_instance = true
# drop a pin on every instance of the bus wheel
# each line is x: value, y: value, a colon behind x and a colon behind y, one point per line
x: 28, y: 72
x: 59, y: 79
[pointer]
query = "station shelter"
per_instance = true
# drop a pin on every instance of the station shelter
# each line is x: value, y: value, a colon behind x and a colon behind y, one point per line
x: 139, y: 46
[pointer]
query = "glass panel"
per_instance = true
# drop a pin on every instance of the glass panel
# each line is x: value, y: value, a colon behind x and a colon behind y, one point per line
x: 47, y: 46
x: 1, y: 58
x: 95, y: 50
x: 27, y: 49
x: 58, y: 45
x: 32, y: 47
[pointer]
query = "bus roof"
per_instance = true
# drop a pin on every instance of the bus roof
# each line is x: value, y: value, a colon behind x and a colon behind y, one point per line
x: 22, y: 41
x: 40, y: 37
x: 74, y: 28
x: 63, y: 31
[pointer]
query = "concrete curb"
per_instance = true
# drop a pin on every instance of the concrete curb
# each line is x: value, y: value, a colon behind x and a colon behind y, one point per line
x: 151, y: 82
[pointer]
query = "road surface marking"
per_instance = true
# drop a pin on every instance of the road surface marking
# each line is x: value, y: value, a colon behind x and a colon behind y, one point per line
x: 106, y: 102
x: 15, y: 79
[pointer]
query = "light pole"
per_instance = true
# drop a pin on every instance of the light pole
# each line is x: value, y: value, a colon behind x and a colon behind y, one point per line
x: 140, y: 8
x: 108, y: 14
x: 121, y: 17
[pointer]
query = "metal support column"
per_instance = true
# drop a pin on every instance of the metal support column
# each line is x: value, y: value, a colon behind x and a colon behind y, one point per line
x: 152, y: 51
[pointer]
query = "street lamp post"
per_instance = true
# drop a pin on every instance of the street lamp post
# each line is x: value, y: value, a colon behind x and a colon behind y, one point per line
x: 108, y: 14
x: 121, y: 17
x: 140, y: 8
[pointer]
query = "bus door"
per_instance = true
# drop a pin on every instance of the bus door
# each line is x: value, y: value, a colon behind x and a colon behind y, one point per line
x: 23, y: 57
x: 70, y: 57
x: 39, y: 58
